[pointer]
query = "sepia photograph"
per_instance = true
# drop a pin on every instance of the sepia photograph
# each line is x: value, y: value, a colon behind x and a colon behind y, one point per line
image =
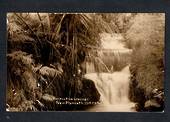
x: 90, y: 62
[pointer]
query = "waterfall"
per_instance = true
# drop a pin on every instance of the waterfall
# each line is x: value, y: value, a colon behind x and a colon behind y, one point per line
x: 113, y: 88
x: 112, y: 75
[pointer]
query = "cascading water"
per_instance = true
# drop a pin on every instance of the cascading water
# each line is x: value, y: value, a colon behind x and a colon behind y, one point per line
x: 113, y: 86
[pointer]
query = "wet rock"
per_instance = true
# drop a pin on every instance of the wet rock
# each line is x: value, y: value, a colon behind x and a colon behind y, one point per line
x: 87, y: 96
x: 156, y: 101
x: 153, y: 105
x: 89, y: 91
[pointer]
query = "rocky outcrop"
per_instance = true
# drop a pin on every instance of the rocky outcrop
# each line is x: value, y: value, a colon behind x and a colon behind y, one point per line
x: 89, y: 91
x: 86, y: 97
x: 153, y: 101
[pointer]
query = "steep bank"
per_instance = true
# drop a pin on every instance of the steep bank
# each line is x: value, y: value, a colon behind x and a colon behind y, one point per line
x: 146, y: 38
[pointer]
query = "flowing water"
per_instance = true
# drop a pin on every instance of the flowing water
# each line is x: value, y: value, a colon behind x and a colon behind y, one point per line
x: 112, y: 86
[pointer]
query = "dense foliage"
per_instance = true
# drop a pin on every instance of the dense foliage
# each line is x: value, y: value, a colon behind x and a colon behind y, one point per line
x: 146, y: 38
x: 45, y: 52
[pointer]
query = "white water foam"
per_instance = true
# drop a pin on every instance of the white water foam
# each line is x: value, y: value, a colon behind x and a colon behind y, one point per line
x: 114, y: 89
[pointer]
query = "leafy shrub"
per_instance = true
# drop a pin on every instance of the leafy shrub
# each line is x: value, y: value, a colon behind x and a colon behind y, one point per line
x: 146, y: 38
x: 44, y: 54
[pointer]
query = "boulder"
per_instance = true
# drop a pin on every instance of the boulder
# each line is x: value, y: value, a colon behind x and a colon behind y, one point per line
x: 89, y: 91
